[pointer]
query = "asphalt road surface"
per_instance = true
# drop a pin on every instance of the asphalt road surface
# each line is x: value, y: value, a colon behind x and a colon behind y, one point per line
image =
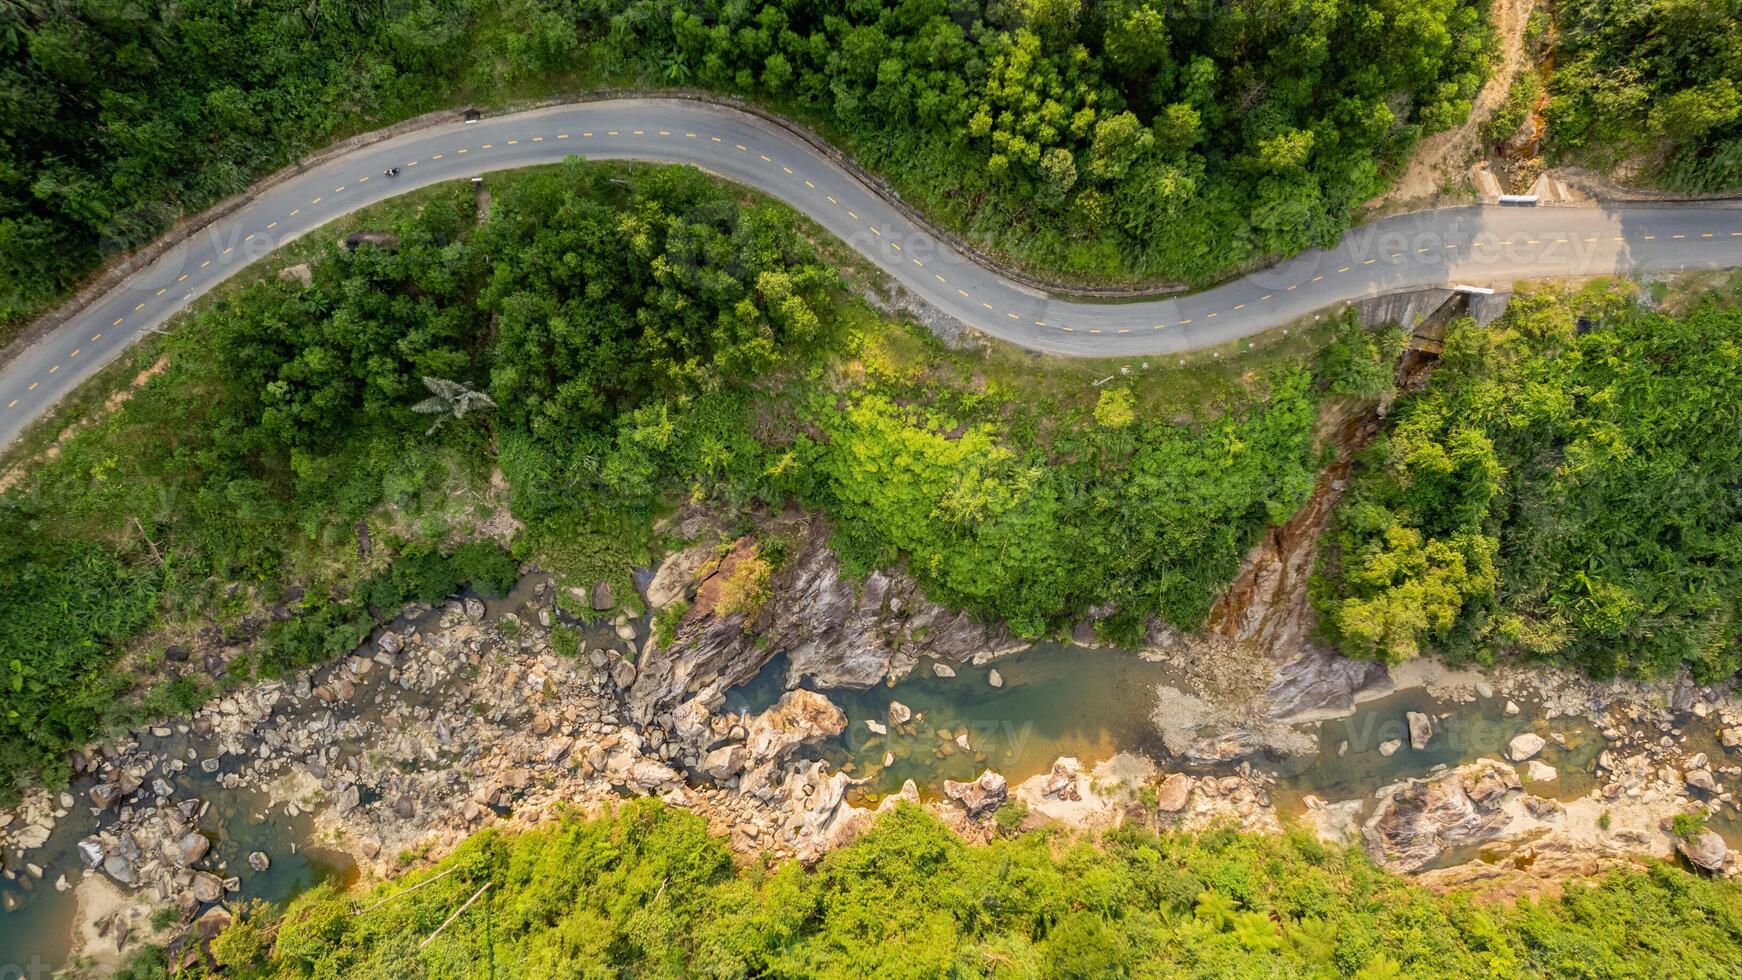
x: 1482, y: 246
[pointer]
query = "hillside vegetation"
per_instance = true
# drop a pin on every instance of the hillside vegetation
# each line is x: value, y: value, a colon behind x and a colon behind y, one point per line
x: 649, y: 339
x: 648, y: 893
x: 1657, y: 82
x: 1565, y: 487
x: 1119, y: 140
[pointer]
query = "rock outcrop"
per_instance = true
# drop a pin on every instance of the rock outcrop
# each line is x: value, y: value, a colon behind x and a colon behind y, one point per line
x: 980, y: 796
x: 1419, y: 820
x: 835, y: 631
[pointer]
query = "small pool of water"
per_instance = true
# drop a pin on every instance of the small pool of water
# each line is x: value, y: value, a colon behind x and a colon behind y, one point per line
x: 1348, y: 763
x: 1056, y: 700
x: 236, y: 822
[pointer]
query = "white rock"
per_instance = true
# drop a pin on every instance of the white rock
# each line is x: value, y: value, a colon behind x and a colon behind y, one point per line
x: 1539, y: 771
x: 1524, y: 746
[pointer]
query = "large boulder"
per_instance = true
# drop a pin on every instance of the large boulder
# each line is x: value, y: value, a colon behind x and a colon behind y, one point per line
x: 1705, y: 850
x: 207, y: 888
x: 798, y: 718
x: 1702, y: 780
x: 725, y: 762
x: 1418, y: 820
x: 190, y: 848
x: 1524, y: 746
x: 601, y: 598
x: 1421, y: 729
x: 1174, y: 793
x: 981, y: 796
x: 645, y: 775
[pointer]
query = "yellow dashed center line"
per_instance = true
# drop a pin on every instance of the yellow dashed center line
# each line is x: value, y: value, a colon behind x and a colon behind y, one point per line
x: 1343, y: 269
x: 895, y: 246
x: 116, y: 323
x: 874, y: 230
x: 513, y: 142
x: 1317, y: 278
x: 75, y: 352
x: 962, y: 292
x: 1369, y: 261
x: 165, y: 289
x: 810, y: 185
x: 272, y: 226
x: 937, y: 277
x: 141, y: 306
x: 33, y: 385
x: 96, y: 337
x: 296, y: 212
x: 1239, y: 306
x: 714, y: 138
x: 318, y: 200
x: 181, y: 277
x: 1012, y: 316
x: 487, y: 146
x: 1212, y: 316
x: 54, y: 369
x: 788, y: 170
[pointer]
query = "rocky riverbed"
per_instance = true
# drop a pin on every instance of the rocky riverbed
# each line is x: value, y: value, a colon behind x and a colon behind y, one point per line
x: 467, y: 715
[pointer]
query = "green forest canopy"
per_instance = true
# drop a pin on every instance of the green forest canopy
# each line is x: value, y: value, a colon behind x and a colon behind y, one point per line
x: 648, y: 893
x: 1656, y: 80
x: 1564, y: 488
x: 1119, y: 139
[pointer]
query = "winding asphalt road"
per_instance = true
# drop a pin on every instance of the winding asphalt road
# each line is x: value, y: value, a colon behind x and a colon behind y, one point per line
x: 1483, y: 246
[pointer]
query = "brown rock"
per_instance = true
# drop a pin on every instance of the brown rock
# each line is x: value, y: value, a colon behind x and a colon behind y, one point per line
x: 1174, y: 793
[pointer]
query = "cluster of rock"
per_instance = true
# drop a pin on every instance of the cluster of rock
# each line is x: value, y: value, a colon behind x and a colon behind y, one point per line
x: 453, y: 720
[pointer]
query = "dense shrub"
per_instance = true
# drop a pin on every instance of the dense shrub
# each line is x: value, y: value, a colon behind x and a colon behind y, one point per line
x: 647, y: 892
x: 1556, y: 492
x: 1659, y: 81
